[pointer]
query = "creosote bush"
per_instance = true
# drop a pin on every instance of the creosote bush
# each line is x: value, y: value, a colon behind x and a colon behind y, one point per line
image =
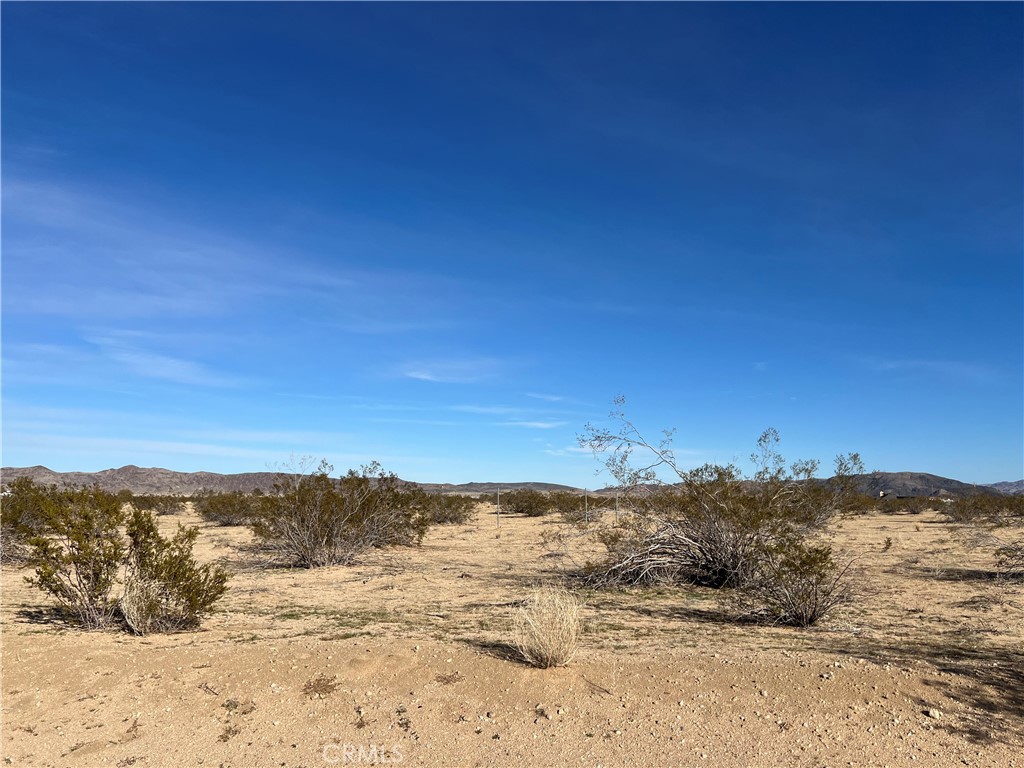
x: 313, y: 520
x: 22, y: 516
x: 986, y: 509
x: 81, y: 551
x: 159, y: 504
x: 908, y: 505
x: 448, y: 510
x: 79, y: 557
x: 715, y: 528
x: 232, y: 508
x: 546, y: 627
x: 577, y: 509
x: 165, y: 588
x: 794, y: 583
x: 524, y: 501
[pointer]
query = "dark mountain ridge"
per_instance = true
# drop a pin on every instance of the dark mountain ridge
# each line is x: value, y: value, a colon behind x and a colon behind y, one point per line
x: 154, y: 480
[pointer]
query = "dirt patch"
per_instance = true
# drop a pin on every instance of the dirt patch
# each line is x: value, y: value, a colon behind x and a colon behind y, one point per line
x: 404, y: 657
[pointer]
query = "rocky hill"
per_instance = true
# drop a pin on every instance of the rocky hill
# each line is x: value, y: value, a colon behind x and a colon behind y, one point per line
x: 1010, y: 487
x: 917, y: 484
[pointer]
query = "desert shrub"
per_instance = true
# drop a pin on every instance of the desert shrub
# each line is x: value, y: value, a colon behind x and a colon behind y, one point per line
x: 524, y: 501
x: 566, y: 504
x: 313, y: 520
x: 714, y: 527
x: 908, y: 505
x: 546, y: 627
x: 1010, y: 560
x: 794, y: 583
x: 577, y: 509
x: 23, y: 510
x: 158, y: 504
x: 78, y: 558
x: 986, y: 509
x: 445, y: 510
x: 234, y: 508
x: 80, y: 551
x: 165, y: 588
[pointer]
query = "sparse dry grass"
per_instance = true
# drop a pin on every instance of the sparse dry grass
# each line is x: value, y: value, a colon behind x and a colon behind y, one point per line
x: 547, y: 627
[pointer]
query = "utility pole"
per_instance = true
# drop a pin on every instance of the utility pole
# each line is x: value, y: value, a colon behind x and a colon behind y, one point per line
x: 497, y: 511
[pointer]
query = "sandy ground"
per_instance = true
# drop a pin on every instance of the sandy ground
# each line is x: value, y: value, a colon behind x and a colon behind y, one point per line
x: 402, y: 660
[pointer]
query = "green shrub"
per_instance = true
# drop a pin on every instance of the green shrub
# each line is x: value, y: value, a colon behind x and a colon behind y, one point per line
x: 986, y: 509
x: 313, y: 520
x: 82, y: 552
x: 524, y: 501
x: 446, y: 510
x: 794, y: 583
x: 578, y: 509
x: 23, y: 510
x: 78, y: 558
x: 165, y: 589
x: 158, y: 504
x: 233, y: 508
x: 908, y: 505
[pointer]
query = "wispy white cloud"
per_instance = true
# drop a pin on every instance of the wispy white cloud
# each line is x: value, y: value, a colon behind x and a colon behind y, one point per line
x: 489, y: 410
x: 159, y: 366
x: 952, y: 370
x: 569, y: 450
x: 534, y: 424
x: 547, y: 398
x: 469, y: 371
x: 88, y: 256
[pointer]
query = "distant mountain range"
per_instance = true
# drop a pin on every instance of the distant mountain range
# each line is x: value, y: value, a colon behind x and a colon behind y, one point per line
x: 165, y: 481
x: 1012, y: 488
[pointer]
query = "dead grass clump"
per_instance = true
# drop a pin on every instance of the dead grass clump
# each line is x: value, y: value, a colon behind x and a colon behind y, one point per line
x: 546, y: 628
x: 140, y: 604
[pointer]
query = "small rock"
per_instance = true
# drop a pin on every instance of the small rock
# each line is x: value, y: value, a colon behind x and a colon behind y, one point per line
x: 933, y: 713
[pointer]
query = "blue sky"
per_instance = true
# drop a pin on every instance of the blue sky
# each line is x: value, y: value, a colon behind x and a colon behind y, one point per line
x: 446, y: 236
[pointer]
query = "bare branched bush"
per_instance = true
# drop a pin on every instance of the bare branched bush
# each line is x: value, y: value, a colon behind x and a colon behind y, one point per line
x: 312, y: 520
x: 1010, y: 560
x: 715, y: 528
x: 546, y: 628
x: 993, y: 522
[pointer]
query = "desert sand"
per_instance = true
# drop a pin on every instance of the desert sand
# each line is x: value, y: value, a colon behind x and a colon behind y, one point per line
x: 402, y: 659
